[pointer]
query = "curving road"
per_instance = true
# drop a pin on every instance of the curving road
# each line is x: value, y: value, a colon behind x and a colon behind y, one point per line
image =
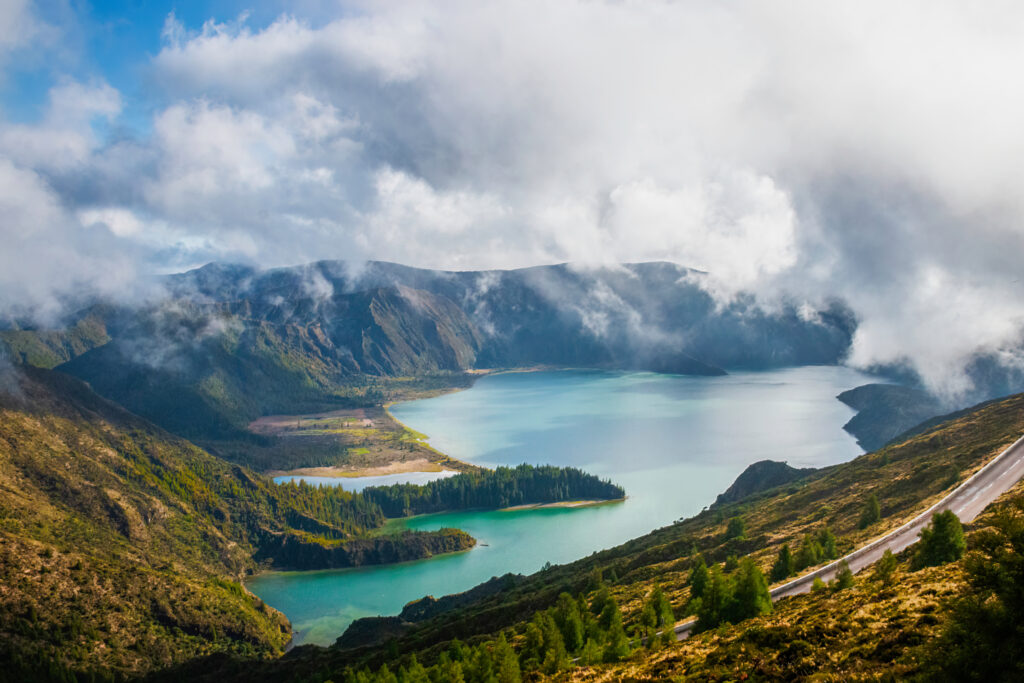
x: 966, y: 500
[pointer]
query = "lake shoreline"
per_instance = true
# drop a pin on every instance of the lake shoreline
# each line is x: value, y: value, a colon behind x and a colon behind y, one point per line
x: 342, y: 472
x: 568, y: 504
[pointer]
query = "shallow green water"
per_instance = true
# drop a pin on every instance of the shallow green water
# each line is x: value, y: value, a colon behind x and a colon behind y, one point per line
x: 673, y: 442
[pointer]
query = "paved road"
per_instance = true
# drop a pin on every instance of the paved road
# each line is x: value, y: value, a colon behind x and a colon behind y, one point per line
x: 966, y: 500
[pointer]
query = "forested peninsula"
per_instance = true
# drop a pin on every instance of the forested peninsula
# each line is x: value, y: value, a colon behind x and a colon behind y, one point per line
x: 492, y: 489
x: 344, y: 541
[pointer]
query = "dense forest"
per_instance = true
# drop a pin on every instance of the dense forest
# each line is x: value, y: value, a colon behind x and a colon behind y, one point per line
x: 499, y: 488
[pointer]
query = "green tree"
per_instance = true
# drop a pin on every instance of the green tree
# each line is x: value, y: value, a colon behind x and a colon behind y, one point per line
x: 617, y: 645
x: 871, y: 514
x: 844, y: 576
x: 785, y: 565
x: 818, y: 585
x: 384, y: 675
x: 885, y: 569
x: 480, y: 666
x: 555, y: 656
x: 648, y: 626
x: 507, y: 664
x: 591, y: 653
x: 810, y: 552
x: 714, y: 603
x: 532, y: 653
x: 666, y: 615
x: 750, y: 592
x: 601, y: 598
x: 567, y: 616
x: 984, y: 637
x: 942, y: 541
x: 827, y: 541
x: 698, y: 577
x: 595, y: 580
x: 416, y: 673
x: 732, y: 563
x: 448, y: 670
x: 736, y: 528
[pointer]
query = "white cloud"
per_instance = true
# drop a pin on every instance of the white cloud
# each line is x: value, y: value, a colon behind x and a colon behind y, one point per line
x: 64, y: 138
x: 864, y: 150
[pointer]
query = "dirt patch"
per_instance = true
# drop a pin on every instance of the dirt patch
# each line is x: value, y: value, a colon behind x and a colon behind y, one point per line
x: 419, y: 465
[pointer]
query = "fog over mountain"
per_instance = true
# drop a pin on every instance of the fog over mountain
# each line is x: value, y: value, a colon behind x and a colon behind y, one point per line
x: 799, y: 153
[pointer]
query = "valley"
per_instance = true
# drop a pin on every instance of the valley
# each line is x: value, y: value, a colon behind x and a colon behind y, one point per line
x: 672, y: 442
x: 298, y: 420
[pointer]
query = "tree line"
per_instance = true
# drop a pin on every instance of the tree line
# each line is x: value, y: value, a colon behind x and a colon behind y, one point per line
x: 498, y: 488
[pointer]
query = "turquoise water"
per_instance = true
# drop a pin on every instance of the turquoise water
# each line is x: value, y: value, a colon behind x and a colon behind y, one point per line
x: 360, y: 483
x: 673, y: 442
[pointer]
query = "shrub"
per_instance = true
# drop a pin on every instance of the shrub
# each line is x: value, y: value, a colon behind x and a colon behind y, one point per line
x: 735, y: 529
x: 844, y: 576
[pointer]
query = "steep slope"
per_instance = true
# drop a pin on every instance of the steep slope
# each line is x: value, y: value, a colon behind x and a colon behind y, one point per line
x: 231, y: 343
x: 205, y: 370
x: 122, y: 546
x: 885, y: 411
x: 623, y: 316
x: 48, y: 348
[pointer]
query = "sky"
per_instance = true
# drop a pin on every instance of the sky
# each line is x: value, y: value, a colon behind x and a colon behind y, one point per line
x: 801, y: 150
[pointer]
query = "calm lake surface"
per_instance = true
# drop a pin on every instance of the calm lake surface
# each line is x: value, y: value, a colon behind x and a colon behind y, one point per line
x: 673, y: 442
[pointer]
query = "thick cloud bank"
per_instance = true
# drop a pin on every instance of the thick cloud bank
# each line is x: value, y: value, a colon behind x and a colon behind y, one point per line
x: 871, y: 151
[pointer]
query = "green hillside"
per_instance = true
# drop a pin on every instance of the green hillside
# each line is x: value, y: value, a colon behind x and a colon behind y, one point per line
x: 123, y: 546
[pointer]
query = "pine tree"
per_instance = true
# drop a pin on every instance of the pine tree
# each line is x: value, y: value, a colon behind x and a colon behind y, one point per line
x: 698, y: 577
x: 809, y: 554
x: 416, y: 673
x: 715, y: 601
x: 785, y: 566
x: 665, y: 616
x: 648, y: 626
x: 447, y: 670
x: 751, y: 597
x: 384, y: 675
x: 591, y: 653
x: 885, y: 569
x: 844, y: 577
x: 532, y: 653
x: 617, y: 645
x: 567, y: 616
x: 872, y: 512
x: 827, y: 541
x: 601, y: 598
x: 507, y: 664
x: 555, y: 656
x: 942, y: 541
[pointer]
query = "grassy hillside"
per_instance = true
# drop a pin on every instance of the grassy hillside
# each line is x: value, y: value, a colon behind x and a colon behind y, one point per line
x: 123, y: 546
x: 870, y: 631
x: 45, y: 348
